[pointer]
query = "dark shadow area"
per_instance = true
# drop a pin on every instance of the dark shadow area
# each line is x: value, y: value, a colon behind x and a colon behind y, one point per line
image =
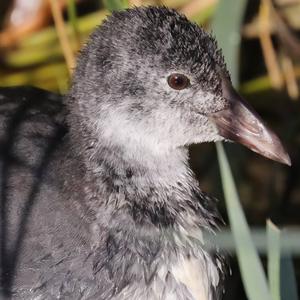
x: 23, y: 111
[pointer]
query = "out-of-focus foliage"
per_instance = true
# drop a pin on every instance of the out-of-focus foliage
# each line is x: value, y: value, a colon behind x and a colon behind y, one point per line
x: 228, y: 36
x: 249, y: 263
x: 36, y: 56
x: 112, y: 5
x: 33, y: 45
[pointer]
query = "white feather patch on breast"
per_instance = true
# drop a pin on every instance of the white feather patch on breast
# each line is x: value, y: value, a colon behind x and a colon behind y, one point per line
x: 198, y: 276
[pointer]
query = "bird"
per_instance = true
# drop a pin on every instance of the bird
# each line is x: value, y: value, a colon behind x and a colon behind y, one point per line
x: 98, y: 200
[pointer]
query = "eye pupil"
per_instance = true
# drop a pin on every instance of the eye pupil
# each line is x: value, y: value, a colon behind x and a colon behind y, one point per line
x: 178, y: 81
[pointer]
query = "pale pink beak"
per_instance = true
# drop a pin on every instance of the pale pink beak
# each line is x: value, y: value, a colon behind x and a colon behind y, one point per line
x: 240, y: 123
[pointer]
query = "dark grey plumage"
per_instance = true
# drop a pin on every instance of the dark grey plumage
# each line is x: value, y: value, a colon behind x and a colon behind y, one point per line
x: 47, y: 248
x: 97, y: 199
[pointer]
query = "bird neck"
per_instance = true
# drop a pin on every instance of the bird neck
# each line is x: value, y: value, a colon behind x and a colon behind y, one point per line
x: 145, y: 187
x: 148, y: 209
x: 132, y: 165
x: 145, y: 180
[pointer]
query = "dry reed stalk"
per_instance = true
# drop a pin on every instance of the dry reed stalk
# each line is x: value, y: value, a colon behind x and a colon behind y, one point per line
x: 267, y: 45
x: 135, y: 2
x: 196, y: 6
x: 62, y: 35
x: 290, y: 77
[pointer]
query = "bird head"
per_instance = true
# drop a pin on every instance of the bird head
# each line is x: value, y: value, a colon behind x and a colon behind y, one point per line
x: 150, y: 78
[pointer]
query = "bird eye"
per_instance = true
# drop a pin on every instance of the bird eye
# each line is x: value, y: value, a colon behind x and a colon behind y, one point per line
x: 178, y: 81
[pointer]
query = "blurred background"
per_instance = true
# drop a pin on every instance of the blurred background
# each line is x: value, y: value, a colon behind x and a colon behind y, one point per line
x: 39, y: 41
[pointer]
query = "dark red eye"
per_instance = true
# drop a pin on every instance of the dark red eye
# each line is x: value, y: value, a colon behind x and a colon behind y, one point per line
x: 178, y: 81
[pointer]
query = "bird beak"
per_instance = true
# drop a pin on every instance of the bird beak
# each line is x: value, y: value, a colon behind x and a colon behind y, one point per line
x: 240, y: 123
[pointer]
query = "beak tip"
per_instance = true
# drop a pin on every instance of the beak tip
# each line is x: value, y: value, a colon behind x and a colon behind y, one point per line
x: 279, y: 152
x: 287, y: 160
x: 280, y: 156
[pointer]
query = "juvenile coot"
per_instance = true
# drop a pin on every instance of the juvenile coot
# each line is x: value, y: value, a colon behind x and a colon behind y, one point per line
x: 97, y: 198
